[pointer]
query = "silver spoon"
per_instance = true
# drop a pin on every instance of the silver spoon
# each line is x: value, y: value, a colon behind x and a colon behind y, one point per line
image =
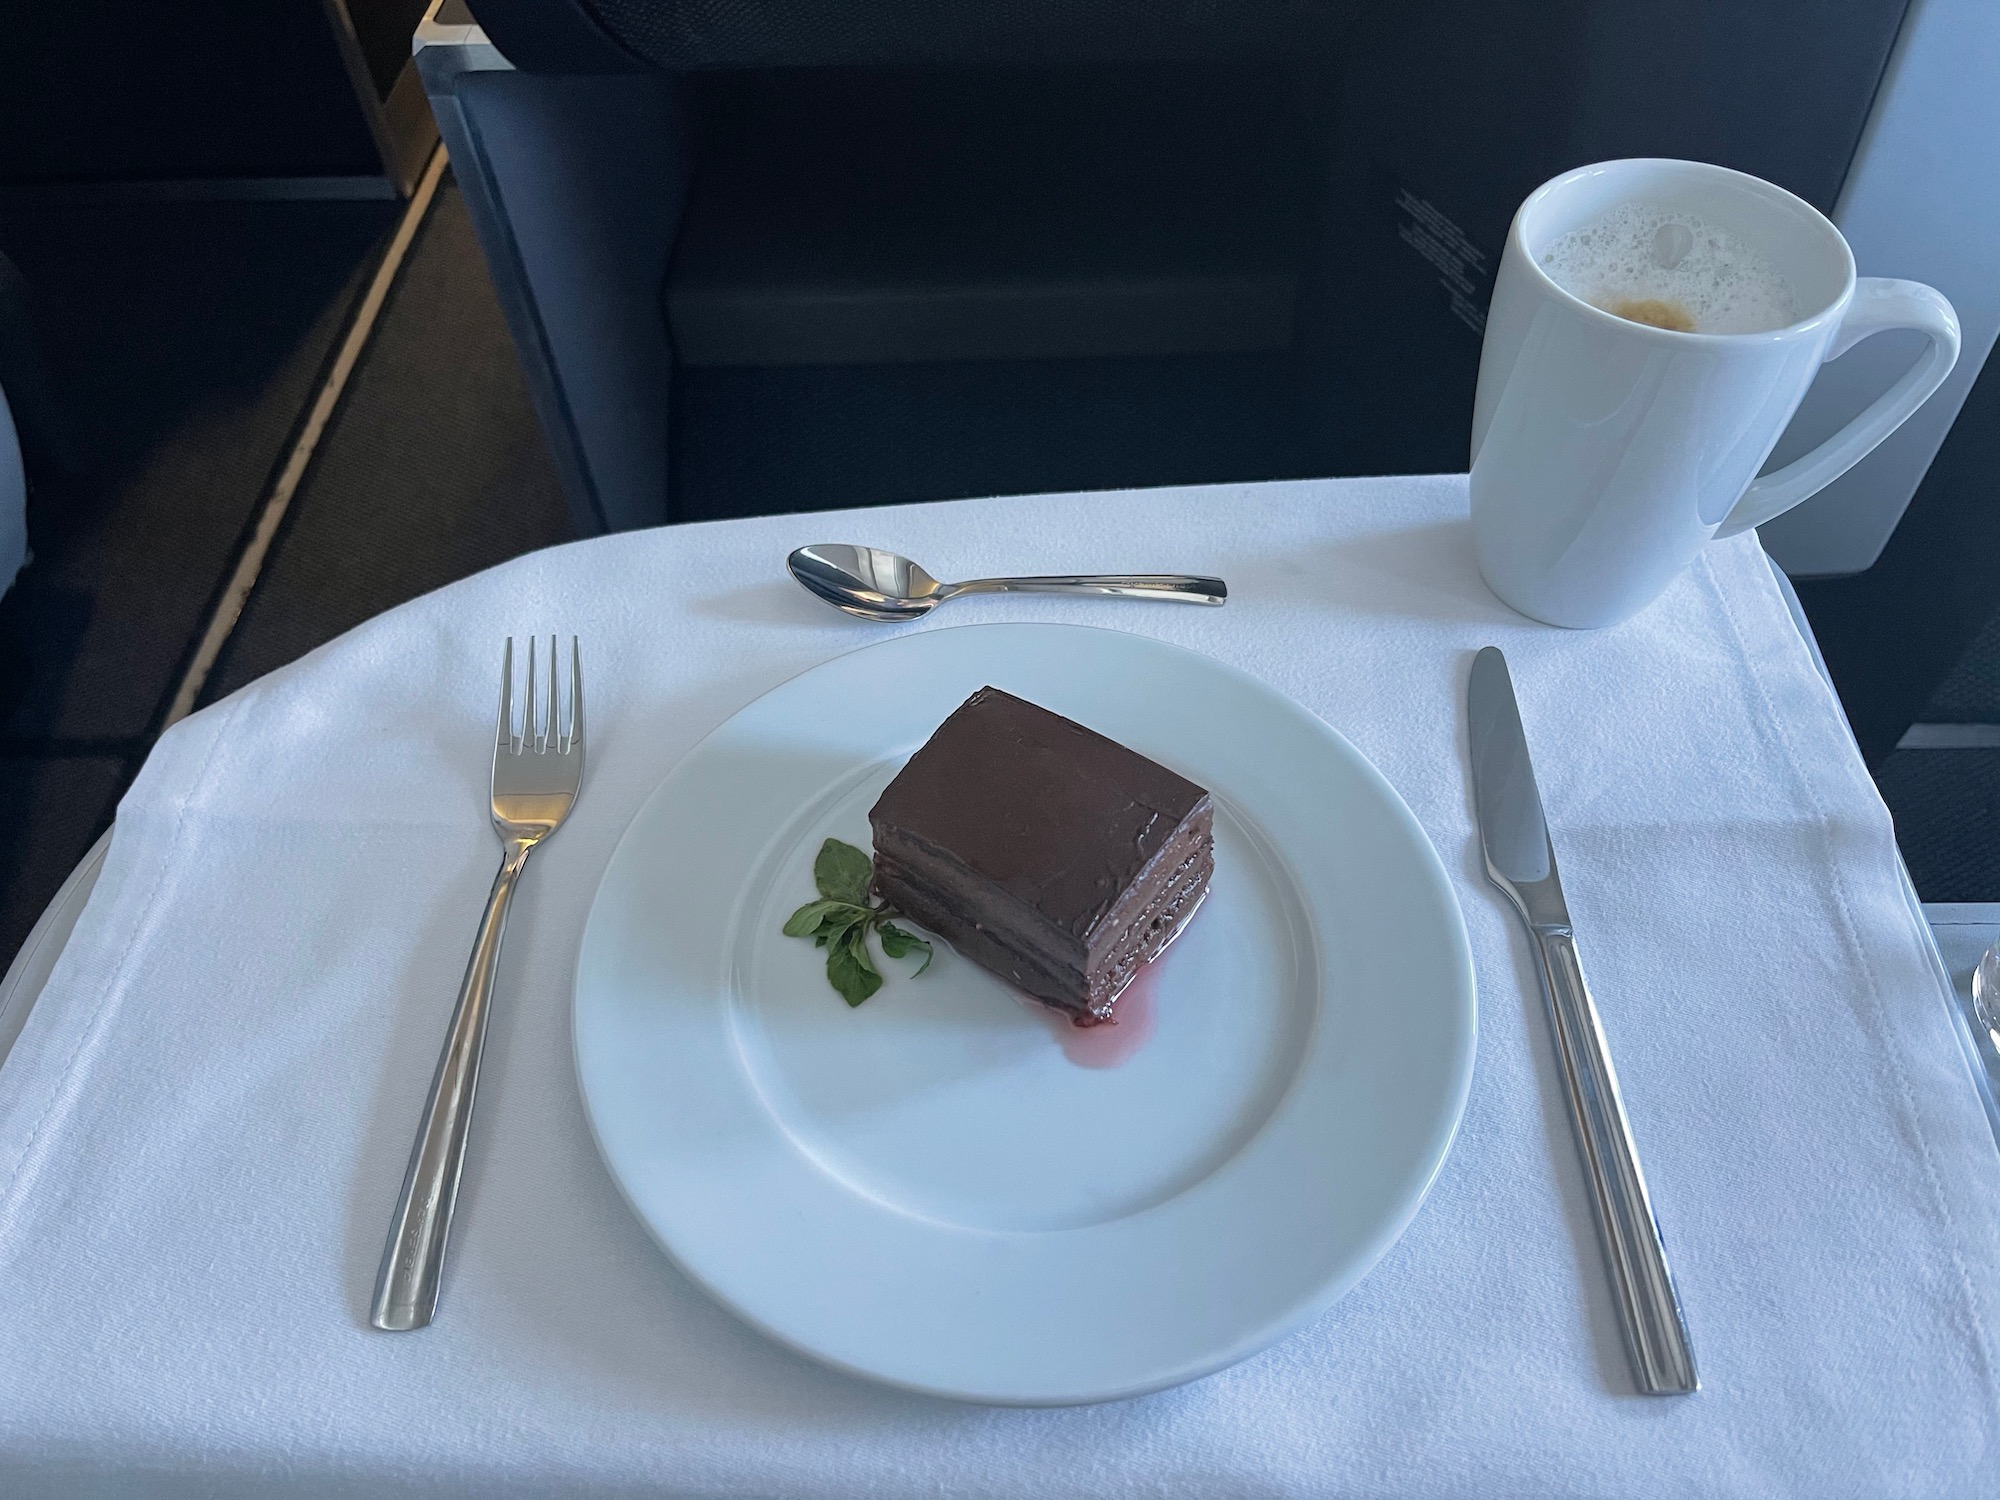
x: 1986, y: 994
x: 878, y: 585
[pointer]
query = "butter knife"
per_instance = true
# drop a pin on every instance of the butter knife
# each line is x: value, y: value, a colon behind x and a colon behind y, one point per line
x: 1521, y: 860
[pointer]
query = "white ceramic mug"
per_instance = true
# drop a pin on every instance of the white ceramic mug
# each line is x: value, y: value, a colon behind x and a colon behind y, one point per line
x: 1605, y: 452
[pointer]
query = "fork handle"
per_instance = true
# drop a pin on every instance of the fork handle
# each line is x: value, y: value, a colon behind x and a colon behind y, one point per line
x: 406, y: 1287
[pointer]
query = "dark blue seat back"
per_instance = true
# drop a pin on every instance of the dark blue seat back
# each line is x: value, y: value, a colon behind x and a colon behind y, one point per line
x: 598, y: 36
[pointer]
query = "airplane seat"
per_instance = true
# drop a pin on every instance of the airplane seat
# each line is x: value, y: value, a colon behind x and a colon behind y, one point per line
x: 773, y: 256
x: 764, y: 255
x: 28, y: 426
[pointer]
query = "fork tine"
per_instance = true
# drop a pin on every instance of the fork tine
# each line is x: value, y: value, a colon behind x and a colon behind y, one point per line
x: 575, y: 695
x: 505, y: 738
x: 528, y: 710
x: 552, y: 739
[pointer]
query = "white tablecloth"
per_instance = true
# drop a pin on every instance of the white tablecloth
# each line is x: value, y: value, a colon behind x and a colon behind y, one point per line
x: 204, y: 1125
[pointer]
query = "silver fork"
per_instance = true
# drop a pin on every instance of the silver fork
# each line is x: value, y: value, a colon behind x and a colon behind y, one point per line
x: 535, y: 782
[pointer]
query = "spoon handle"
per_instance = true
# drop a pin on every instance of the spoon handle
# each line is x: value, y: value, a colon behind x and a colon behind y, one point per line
x: 1184, y: 588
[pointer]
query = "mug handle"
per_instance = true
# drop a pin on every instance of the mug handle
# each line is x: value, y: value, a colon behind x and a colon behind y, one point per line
x: 1878, y: 305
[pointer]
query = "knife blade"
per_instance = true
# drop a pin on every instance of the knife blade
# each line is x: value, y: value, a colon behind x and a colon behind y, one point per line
x: 1521, y: 861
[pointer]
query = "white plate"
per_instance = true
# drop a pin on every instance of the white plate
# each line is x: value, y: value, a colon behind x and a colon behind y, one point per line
x: 926, y: 1190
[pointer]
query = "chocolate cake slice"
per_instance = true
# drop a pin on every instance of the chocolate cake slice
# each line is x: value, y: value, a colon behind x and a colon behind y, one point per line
x: 1053, y: 856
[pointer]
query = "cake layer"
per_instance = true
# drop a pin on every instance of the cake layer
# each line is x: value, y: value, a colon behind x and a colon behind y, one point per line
x: 1085, y: 991
x: 1036, y: 806
x: 1057, y: 858
x: 1193, y: 840
x: 1153, y: 929
x: 947, y: 871
x: 1063, y: 986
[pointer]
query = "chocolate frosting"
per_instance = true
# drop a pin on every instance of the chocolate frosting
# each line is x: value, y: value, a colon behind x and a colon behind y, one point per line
x: 1040, y: 849
x: 1054, y: 814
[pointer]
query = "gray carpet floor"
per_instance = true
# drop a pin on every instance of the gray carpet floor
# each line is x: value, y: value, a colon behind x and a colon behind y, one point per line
x: 1971, y: 694
x: 182, y: 342
x: 1946, y: 803
x: 432, y: 469
x: 187, y: 341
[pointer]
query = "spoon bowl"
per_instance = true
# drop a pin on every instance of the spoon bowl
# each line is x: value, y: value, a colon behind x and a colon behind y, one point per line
x: 872, y: 584
x: 866, y: 581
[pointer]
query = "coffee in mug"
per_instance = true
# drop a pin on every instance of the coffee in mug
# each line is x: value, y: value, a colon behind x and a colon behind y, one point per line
x: 1648, y: 263
x: 1654, y: 325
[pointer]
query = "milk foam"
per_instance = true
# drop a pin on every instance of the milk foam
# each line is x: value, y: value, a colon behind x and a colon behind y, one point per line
x: 1645, y: 253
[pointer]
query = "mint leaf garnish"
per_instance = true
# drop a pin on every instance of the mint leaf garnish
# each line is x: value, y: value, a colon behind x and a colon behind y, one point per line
x: 808, y: 919
x: 898, y: 943
x: 843, y: 873
x: 840, y: 919
x: 848, y: 967
x: 844, y: 919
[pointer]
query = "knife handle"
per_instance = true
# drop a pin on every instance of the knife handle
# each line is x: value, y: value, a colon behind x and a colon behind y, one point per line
x: 1655, y: 1332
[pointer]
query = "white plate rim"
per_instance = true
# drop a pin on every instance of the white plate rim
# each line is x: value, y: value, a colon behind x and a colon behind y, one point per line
x: 1391, y: 1226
